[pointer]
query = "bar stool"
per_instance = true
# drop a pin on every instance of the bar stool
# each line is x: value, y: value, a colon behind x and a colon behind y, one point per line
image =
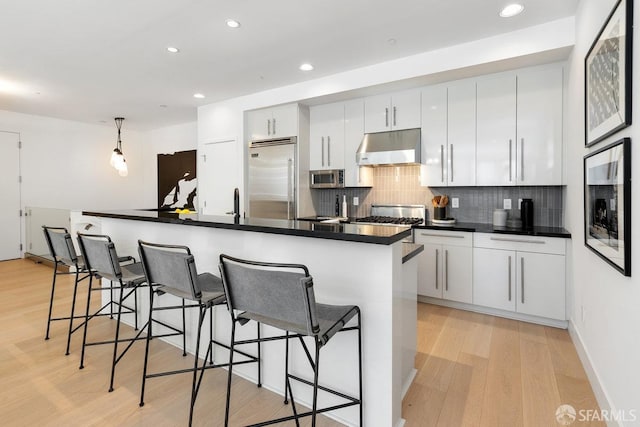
x: 102, y: 262
x: 64, y: 254
x: 171, y: 269
x: 282, y: 296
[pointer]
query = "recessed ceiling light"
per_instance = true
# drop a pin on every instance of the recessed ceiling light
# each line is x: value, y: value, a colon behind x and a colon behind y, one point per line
x: 198, y: 95
x: 232, y: 23
x: 392, y: 41
x: 511, y: 10
x: 306, y: 67
x: 173, y: 49
x: 163, y: 105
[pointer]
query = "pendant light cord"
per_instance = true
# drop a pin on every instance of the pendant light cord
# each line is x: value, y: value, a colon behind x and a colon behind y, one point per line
x: 119, y: 125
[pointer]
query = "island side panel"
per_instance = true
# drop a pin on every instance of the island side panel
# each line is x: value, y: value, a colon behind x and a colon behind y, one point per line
x: 344, y: 273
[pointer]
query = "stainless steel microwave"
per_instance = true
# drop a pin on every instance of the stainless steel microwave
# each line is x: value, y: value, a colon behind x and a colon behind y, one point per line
x: 331, y: 178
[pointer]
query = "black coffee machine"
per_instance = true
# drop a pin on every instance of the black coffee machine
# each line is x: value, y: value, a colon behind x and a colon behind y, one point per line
x: 526, y: 213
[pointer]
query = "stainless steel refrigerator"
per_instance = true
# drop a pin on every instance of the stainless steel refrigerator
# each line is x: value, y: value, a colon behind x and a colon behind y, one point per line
x: 272, y: 179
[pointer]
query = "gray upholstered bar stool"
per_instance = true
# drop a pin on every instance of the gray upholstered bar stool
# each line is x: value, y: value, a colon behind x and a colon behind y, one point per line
x: 64, y: 254
x: 282, y: 296
x: 171, y: 269
x: 101, y: 260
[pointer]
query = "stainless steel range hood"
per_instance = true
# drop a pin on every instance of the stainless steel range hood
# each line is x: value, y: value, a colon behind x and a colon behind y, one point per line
x: 389, y: 148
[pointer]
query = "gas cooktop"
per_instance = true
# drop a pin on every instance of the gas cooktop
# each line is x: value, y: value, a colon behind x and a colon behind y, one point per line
x: 406, y: 215
x: 377, y: 219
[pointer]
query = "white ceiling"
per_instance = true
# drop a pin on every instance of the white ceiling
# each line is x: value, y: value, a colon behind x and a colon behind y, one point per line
x: 91, y: 60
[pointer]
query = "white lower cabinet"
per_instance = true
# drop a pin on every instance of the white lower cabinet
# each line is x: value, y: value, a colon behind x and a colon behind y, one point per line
x: 523, y: 274
x: 444, y: 268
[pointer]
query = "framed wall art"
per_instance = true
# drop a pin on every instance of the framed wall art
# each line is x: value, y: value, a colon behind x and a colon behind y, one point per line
x: 607, y: 70
x: 177, y: 181
x: 607, y: 204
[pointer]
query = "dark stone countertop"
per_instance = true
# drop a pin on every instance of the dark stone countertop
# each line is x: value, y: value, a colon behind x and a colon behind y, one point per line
x: 376, y: 234
x: 489, y: 228
x: 409, y: 250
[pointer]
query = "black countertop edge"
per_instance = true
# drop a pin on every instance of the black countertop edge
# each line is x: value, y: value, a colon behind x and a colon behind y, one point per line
x: 344, y: 232
x: 490, y: 228
x: 410, y: 250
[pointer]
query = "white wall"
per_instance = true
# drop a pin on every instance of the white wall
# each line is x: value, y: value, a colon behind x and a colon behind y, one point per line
x: 65, y: 164
x: 164, y: 140
x: 610, y: 331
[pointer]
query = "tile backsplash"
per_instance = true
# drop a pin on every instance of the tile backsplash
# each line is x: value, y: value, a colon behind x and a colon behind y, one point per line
x: 401, y: 184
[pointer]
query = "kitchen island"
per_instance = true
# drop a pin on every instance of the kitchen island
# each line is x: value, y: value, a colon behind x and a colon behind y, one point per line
x: 350, y: 263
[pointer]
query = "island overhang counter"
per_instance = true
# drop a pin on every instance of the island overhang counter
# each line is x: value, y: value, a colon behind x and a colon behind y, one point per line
x: 351, y: 264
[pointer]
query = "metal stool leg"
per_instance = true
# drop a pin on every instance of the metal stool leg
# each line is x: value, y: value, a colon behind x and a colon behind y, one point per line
x: 115, y: 344
x: 316, y: 373
x: 360, y: 365
x: 286, y: 368
x: 73, y: 312
x: 184, y: 330
x: 53, y: 290
x: 203, y: 313
x: 259, y: 357
x: 146, y: 348
x: 86, y: 321
x: 233, y: 341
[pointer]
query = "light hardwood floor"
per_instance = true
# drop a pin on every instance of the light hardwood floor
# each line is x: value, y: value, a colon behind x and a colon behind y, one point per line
x: 472, y: 370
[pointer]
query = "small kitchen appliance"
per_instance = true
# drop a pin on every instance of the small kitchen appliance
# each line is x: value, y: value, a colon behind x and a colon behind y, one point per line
x: 526, y: 213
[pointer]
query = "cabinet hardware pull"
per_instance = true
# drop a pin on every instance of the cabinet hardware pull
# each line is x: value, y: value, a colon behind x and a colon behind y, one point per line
x: 328, y: 151
x: 451, y: 161
x: 394, y: 115
x: 386, y: 117
x: 510, y: 155
x: 453, y: 236
x: 322, y: 145
x: 509, y: 278
x: 497, y: 239
x: 522, y: 278
x: 437, y: 268
x: 442, y: 164
x: 522, y: 159
x: 446, y: 270
x: 268, y: 126
x: 274, y: 125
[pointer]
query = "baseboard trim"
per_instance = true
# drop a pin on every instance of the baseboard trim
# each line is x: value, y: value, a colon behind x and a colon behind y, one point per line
x: 562, y: 324
x: 408, y: 381
x: 594, y: 379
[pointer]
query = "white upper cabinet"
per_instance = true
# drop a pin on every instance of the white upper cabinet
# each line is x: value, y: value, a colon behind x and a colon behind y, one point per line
x: 449, y: 134
x: 461, y: 133
x: 273, y: 122
x: 539, y: 126
x: 434, y: 136
x: 354, y: 175
x: 327, y: 132
x: 495, y: 157
x: 400, y: 110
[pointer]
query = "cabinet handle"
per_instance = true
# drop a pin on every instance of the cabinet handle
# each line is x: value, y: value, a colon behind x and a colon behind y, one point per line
x: 498, y: 239
x: 522, y: 279
x: 268, y: 126
x: 451, y: 160
x: 386, y: 117
x: 394, y: 116
x: 446, y: 270
x: 453, y: 236
x: 510, y: 154
x: 322, y: 148
x: 437, y: 253
x: 509, y: 278
x: 274, y: 125
x: 442, y: 164
x: 522, y: 159
x: 328, y: 151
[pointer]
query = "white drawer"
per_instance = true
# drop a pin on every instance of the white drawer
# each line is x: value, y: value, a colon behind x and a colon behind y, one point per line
x: 443, y: 237
x: 516, y: 242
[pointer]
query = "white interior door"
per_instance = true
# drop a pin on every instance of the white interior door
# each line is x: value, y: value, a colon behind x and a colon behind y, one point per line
x: 10, y: 194
x: 218, y: 177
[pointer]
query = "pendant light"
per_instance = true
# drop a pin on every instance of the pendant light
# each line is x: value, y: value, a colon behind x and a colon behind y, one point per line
x: 117, y: 158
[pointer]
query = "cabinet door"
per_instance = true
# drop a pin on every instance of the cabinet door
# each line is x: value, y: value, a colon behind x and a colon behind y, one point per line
x: 461, y: 130
x: 541, y: 285
x: 430, y: 271
x: 284, y: 121
x: 496, y: 131
x: 405, y: 110
x: 218, y: 177
x: 259, y: 124
x: 539, y: 150
x: 434, y: 136
x: 456, y: 273
x: 494, y: 278
x: 377, y: 113
x: 326, y: 137
x: 354, y: 175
